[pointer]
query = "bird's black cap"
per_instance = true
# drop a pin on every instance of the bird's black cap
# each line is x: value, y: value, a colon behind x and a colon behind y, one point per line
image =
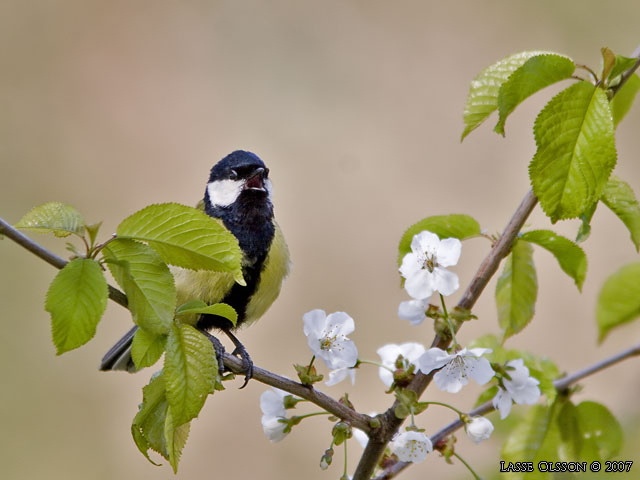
x: 240, y: 161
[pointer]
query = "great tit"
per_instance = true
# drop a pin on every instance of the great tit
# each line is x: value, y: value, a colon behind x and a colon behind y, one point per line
x: 238, y: 194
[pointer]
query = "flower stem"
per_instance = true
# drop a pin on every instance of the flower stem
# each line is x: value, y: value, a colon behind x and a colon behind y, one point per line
x: 371, y: 362
x: 310, y: 365
x: 446, y: 316
x: 475, y: 475
x: 445, y: 405
x: 345, y: 460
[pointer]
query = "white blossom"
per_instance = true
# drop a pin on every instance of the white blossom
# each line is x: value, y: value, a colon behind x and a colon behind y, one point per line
x: 339, y: 374
x: 423, y: 267
x: 456, y: 368
x: 327, y: 338
x: 479, y: 429
x: 389, y: 353
x: 361, y: 437
x: 272, y: 406
x: 411, y: 446
x: 522, y: 388
x: 413, y: 310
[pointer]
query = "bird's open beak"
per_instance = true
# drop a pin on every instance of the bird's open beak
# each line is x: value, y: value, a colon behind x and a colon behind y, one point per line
x: 256, y: 181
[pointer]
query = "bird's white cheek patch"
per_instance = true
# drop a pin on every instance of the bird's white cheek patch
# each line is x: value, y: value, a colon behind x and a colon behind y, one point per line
x: 223, y: 193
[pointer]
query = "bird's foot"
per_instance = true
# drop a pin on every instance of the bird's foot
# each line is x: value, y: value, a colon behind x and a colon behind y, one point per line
x: 240, y: 351
x: 219, y: 350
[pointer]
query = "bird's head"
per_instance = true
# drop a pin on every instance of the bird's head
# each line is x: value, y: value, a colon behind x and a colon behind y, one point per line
x: 240, y: 177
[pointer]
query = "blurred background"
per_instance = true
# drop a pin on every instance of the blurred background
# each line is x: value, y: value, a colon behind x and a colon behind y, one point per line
x: 356, y: 107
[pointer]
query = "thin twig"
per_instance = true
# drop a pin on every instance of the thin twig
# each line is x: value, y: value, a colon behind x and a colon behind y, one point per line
x: 561, y: 385
x: 389, y: 422
x: 49, y: 257
x: 233, y: 363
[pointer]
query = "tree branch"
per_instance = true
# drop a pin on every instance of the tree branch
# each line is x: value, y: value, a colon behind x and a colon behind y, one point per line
x: 233, y: 363
x: 389, y: 422
x: 49, y: 257
x: 561, y: 385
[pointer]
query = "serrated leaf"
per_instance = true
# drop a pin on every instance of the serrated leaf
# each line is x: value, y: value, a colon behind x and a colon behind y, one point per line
x: 621, y: 103
x: 147, y: 427
x: 619, y: 299
x: 517, y: 290
x: 76, y: 300
x: 147, y: 348
x: 621, y: 65
x: 619, y: 197
x: 576, y: 151
x: 445, y: 226
x: 146, y: 280
x: 570, y: 256
x: 220, y: 309
x: 535, y: 74
x: 190, y: 368
x: 56, y: 217
x: 175, y: 439
x: 185, y: 237
x: 602, y: 435
x: 483, y: 91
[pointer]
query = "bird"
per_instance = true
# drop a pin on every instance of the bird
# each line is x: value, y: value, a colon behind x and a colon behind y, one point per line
x: 239, y: 195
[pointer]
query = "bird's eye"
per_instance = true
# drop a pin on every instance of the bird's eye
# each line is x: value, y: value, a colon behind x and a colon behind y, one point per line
x: 233, y: 175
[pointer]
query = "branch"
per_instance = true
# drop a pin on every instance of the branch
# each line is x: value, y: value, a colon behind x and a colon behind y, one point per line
x: 233, y: 363
x: 49, y: 257
x: 389, y: 422
x: 561, y: 385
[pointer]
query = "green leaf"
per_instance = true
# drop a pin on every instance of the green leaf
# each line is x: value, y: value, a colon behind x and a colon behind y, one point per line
x: 185, y: 237
x: 487, y: 395
x: 76, y: 300
x: 576, y: 151
x: 602, y: 435
x: 445, y: 226
x: 147, y: 427
x: 199, y: 307
x: 517, y: 290
x: 619, y: 299
x: 55, y: 217
x: 175, y: 438
x: 570, y: 256
x: 535, y: 74
x: 621, y: 65
x: 536, y: 436
x: 147, y: 348
x: 608, y: 62
x: 146, y: 280
x: 585, y: 227
x: 484, y: 89
x: 619, y: 197
x: 621, y: 103
x: 190, y: 369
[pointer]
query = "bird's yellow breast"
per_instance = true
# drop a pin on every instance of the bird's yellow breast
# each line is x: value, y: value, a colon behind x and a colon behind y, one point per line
x: 212, y: 287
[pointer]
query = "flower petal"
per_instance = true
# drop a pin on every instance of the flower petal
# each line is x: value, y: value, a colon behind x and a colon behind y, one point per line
x: 479, y: 369
x: 339, y: 374
x: 450, y: 378
x: 339, y: 323
x: 425, y: 242
x: 272, y: 402
x: 448, y: 252
x: 410, y: 265
x: 502, y: 401
x: 433, y: 359
x: 444, y: 281
x: 314, y: 322
x: 419, y: 285
x: 412, y: 310
x: 273, y: 428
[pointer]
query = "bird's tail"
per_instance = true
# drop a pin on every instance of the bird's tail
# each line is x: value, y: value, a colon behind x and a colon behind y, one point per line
x: 119, y: 356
